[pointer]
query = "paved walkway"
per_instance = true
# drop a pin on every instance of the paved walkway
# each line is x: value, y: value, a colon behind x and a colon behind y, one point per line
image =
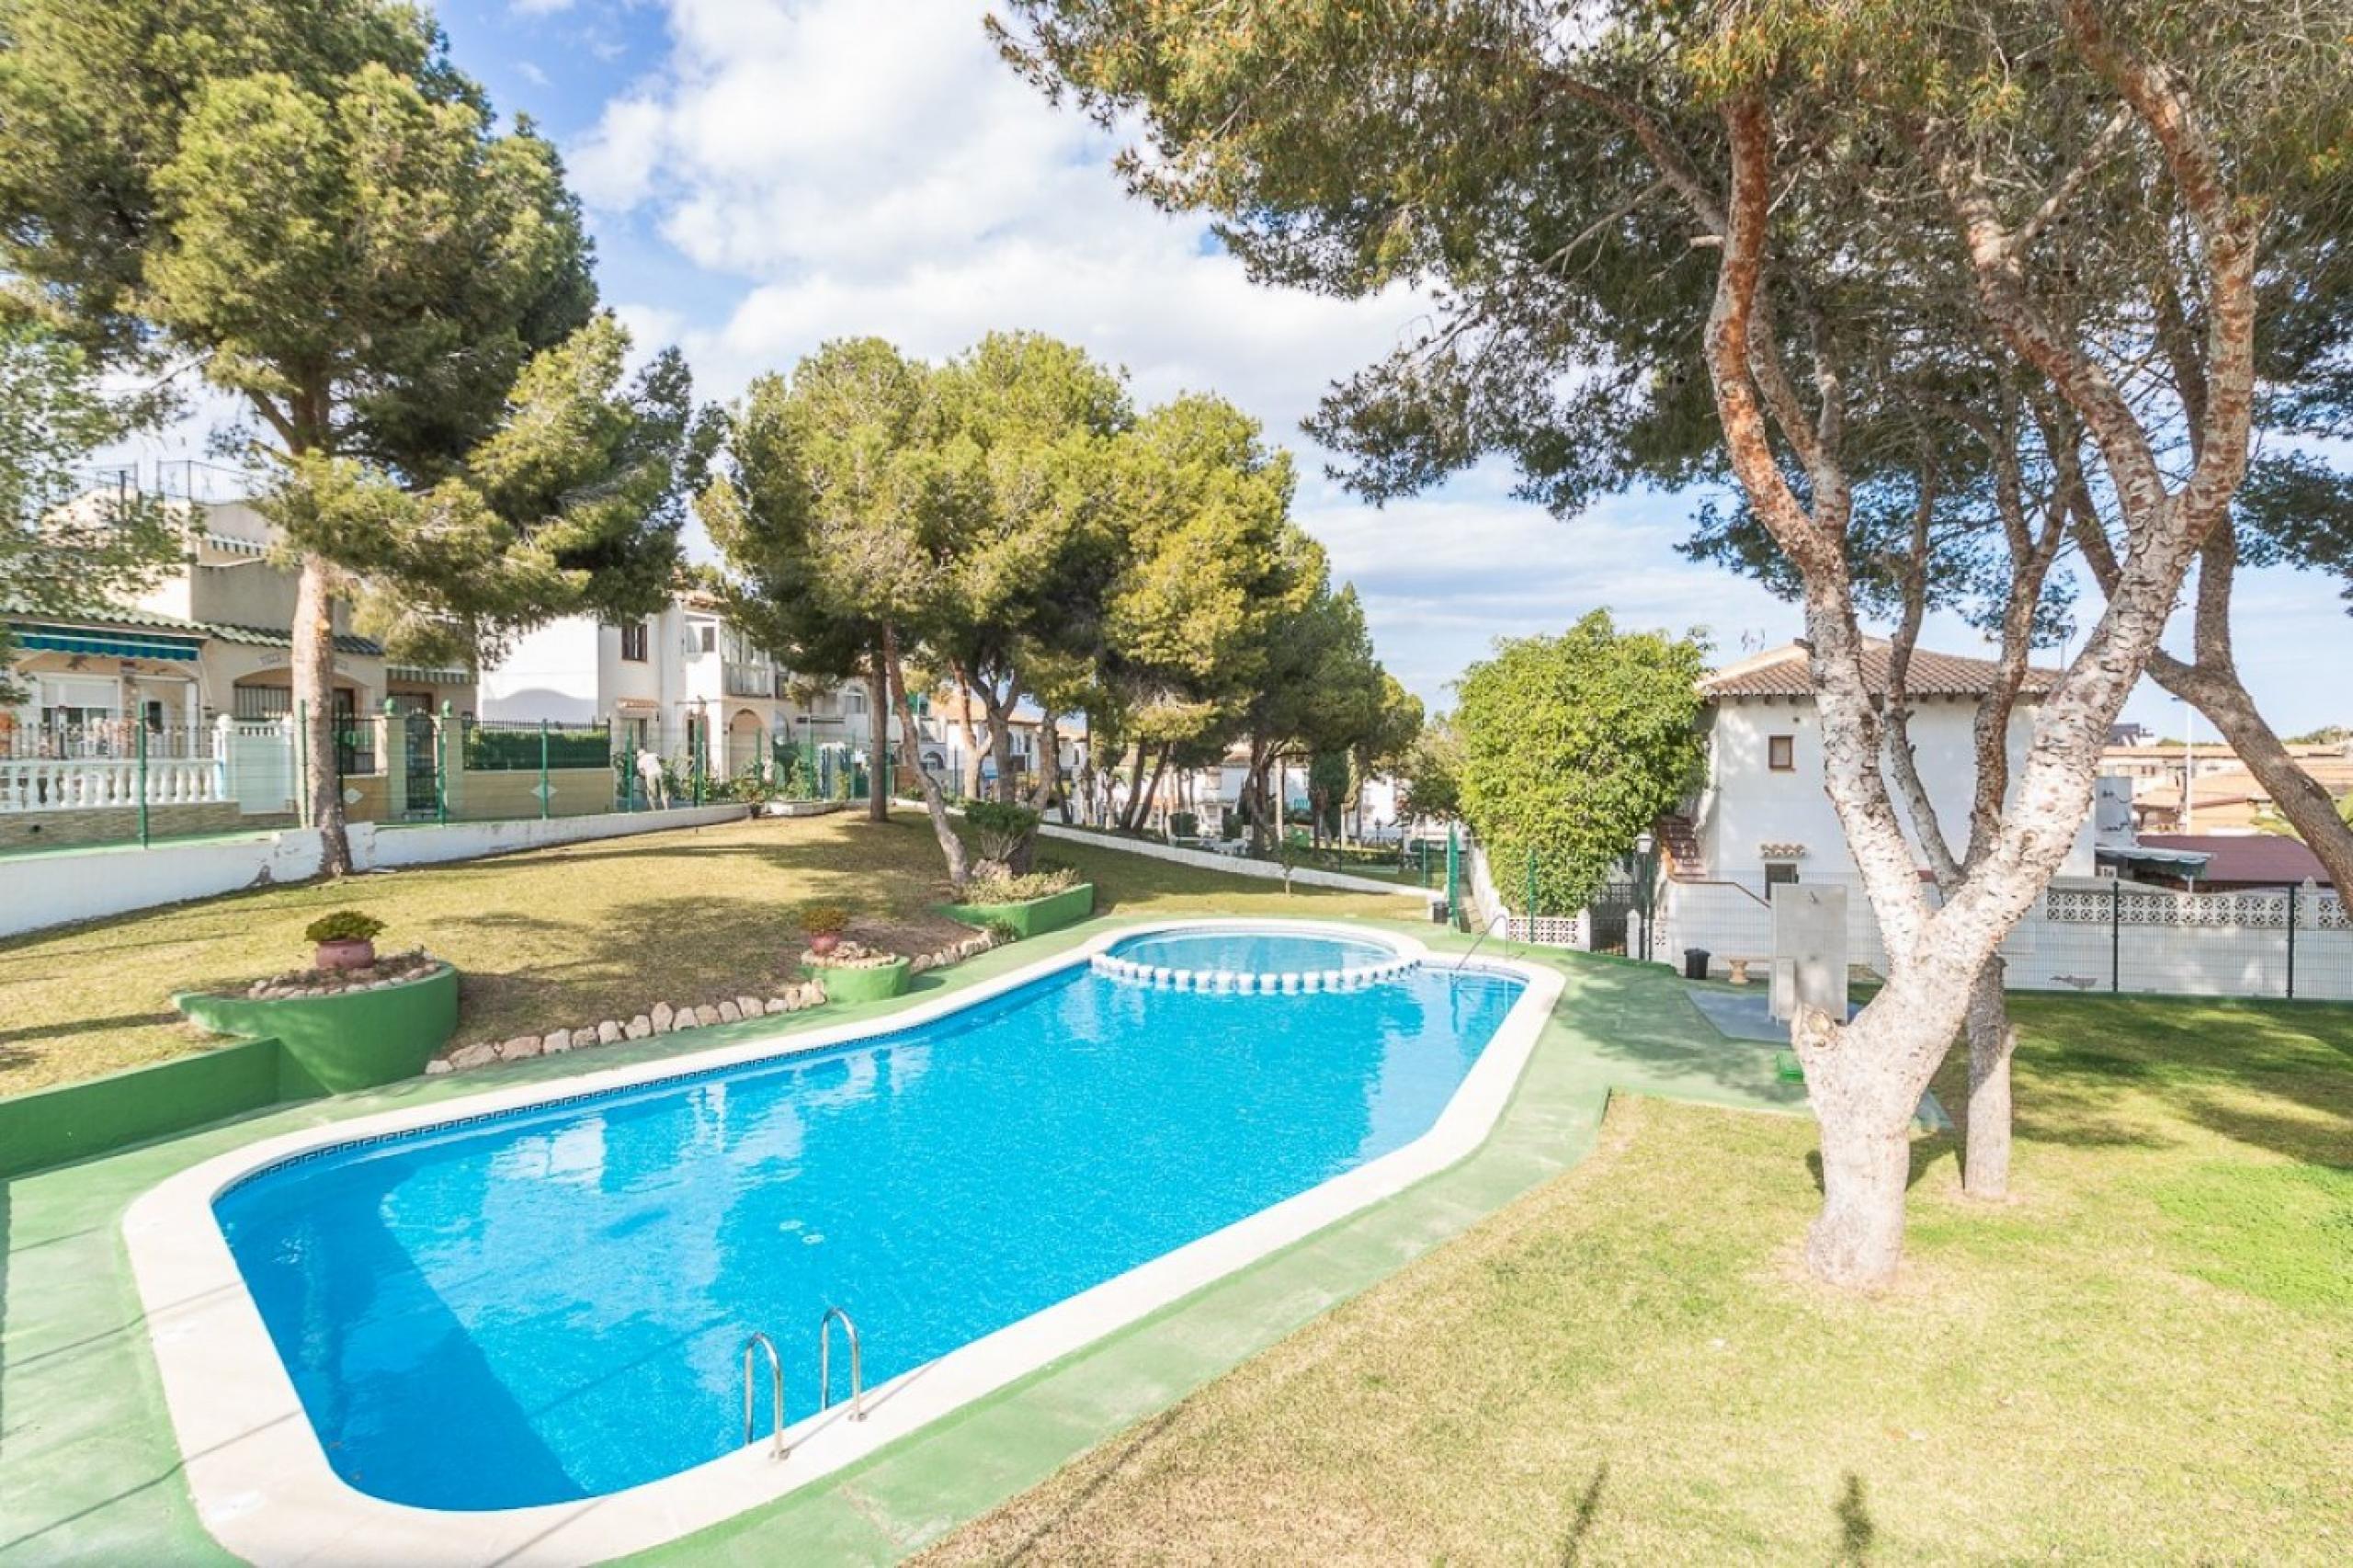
x: 89, y: 1468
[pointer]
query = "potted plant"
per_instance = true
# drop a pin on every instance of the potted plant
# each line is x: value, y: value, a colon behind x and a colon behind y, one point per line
x: 823, y: 924
x: 347, y: 939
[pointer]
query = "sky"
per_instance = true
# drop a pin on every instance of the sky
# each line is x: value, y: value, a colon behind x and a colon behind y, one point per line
x: 760, y: 175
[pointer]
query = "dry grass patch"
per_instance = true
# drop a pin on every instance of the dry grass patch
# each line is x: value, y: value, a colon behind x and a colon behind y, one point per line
x: 551, y: 937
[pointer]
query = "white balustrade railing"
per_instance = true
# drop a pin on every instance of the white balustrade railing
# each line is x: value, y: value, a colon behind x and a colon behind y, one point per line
x: 97, y: 783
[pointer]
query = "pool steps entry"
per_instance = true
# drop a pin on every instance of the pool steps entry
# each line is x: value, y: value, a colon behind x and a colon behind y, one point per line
x: 1246, y: 983
x: 777, y: 1450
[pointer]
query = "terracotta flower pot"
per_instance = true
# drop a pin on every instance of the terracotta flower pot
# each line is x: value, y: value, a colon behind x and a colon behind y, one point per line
x: 346, y: 952
x: 824, y: 942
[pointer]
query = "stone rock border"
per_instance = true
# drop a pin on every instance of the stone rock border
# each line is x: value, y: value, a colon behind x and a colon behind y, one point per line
x: 390, y: 969
x: 665, y: 1017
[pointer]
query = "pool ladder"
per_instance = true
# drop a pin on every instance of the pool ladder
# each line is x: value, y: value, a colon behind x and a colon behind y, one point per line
x: 776, y: 1384
x: 1502, y: 922
x: 825, y: 1364
x: 762, y: 1344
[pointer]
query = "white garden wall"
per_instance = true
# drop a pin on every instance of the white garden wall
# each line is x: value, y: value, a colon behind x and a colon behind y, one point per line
x: 1234, y: 865
x: 41, y: 890
x: 2079, y: 937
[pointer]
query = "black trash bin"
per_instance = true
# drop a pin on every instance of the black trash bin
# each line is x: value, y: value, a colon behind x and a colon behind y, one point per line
x: 1695, y: 963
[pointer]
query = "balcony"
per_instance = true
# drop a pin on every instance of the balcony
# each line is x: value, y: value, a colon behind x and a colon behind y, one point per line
x: 751, y: 680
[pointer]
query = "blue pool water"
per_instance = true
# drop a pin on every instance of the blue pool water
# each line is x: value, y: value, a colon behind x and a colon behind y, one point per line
x: 550, y: 1304
x: 1253, y: 952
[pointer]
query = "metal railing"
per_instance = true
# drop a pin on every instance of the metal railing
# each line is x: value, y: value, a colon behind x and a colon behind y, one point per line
x: 825, y: 1364
x: 776, y: 1384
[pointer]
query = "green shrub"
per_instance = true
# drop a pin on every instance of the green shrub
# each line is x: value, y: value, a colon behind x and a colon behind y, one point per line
x: 1001, y: 830
x: 824, y: 919
x: 1003, y: 931
x: 1019, y: 890
x: 343, y: 926
x: 1183, y: 825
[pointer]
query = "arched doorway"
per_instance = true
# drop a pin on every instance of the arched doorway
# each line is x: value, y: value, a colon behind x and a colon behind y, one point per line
x: 745, y: 739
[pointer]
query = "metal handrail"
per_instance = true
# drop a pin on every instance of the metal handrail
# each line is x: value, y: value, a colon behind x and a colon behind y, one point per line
x: 825, y: 1364
x: 1502, y: 919
x: 776, y: 1383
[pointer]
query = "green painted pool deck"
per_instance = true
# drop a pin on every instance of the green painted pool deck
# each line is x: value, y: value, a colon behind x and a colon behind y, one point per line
x: 89, y: 1470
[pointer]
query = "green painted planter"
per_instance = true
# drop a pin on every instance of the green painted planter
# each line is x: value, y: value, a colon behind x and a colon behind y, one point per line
x: 334, y: 1044
x: 1034, y: 918
x: 75, y: 1121
x: 871, y: 984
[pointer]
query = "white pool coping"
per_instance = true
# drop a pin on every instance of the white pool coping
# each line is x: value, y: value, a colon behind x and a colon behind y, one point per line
x: 262, y: 1484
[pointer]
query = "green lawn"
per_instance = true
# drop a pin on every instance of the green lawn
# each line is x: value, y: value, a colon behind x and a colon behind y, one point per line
x: 2147, y: 1357
x: 552, y: 937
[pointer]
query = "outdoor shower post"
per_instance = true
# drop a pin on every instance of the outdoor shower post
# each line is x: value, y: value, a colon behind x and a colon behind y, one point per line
x: 142, y: 806
x: 543, y: 770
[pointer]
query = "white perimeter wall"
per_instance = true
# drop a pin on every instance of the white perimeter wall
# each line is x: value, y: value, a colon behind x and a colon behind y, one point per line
x: 2079, y: 937
x: 1234, y: 865
x: 40, y: 891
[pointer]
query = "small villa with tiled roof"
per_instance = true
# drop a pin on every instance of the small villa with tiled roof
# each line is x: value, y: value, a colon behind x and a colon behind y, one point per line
x: 1762, y: 814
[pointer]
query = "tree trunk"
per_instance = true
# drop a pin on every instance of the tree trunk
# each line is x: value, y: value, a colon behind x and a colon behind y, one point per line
x: 2218, y: 692
x: 1986, y: 1151
x: 1050, y: 745
x: 1151, y: 791
x: 2210, y: 683
x: 935, y: 804
x: 878, y: 711
x: 1134, y: 809
x: 1864, y: 1098
x: 971, y: 761
x: 310, y: 666
x: 1000, y: 725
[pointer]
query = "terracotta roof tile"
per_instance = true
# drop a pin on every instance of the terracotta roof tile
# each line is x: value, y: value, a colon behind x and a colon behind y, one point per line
x: 1783, y: 671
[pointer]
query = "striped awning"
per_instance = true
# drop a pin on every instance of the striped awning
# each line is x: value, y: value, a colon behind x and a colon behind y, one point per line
x: 109, y: 644
x: 424, y: 674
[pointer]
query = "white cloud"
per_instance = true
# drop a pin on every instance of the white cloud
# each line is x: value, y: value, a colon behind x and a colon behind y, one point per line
x: 880, y: 170
x: 539, y: 8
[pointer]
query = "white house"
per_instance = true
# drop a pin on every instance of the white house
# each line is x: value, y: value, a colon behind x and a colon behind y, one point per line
x: 674, y: 680
x: 207, y: 638
x: 1763, y: 815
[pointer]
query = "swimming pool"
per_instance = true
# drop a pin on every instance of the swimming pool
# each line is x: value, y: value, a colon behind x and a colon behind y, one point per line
x: 520, y: 1313
x: 1253, y: 950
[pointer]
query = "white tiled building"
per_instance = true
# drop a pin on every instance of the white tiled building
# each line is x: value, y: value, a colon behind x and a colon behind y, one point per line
x: 1763, y: 815
x: 682, y: 673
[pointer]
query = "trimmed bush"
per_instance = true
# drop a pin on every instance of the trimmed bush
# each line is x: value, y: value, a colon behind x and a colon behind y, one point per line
x: 343, y: 926
x: 824, y: 919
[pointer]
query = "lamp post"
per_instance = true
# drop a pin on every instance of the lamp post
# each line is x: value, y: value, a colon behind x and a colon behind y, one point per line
x: 1646, y: 881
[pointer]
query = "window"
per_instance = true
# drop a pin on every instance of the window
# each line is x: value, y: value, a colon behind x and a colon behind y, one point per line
x: 633, y: 641
x: 706, y: 637
x: 258, y: 702
x: 1780, y: 872
x: 854, y: 702
x: 1781, y: 752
